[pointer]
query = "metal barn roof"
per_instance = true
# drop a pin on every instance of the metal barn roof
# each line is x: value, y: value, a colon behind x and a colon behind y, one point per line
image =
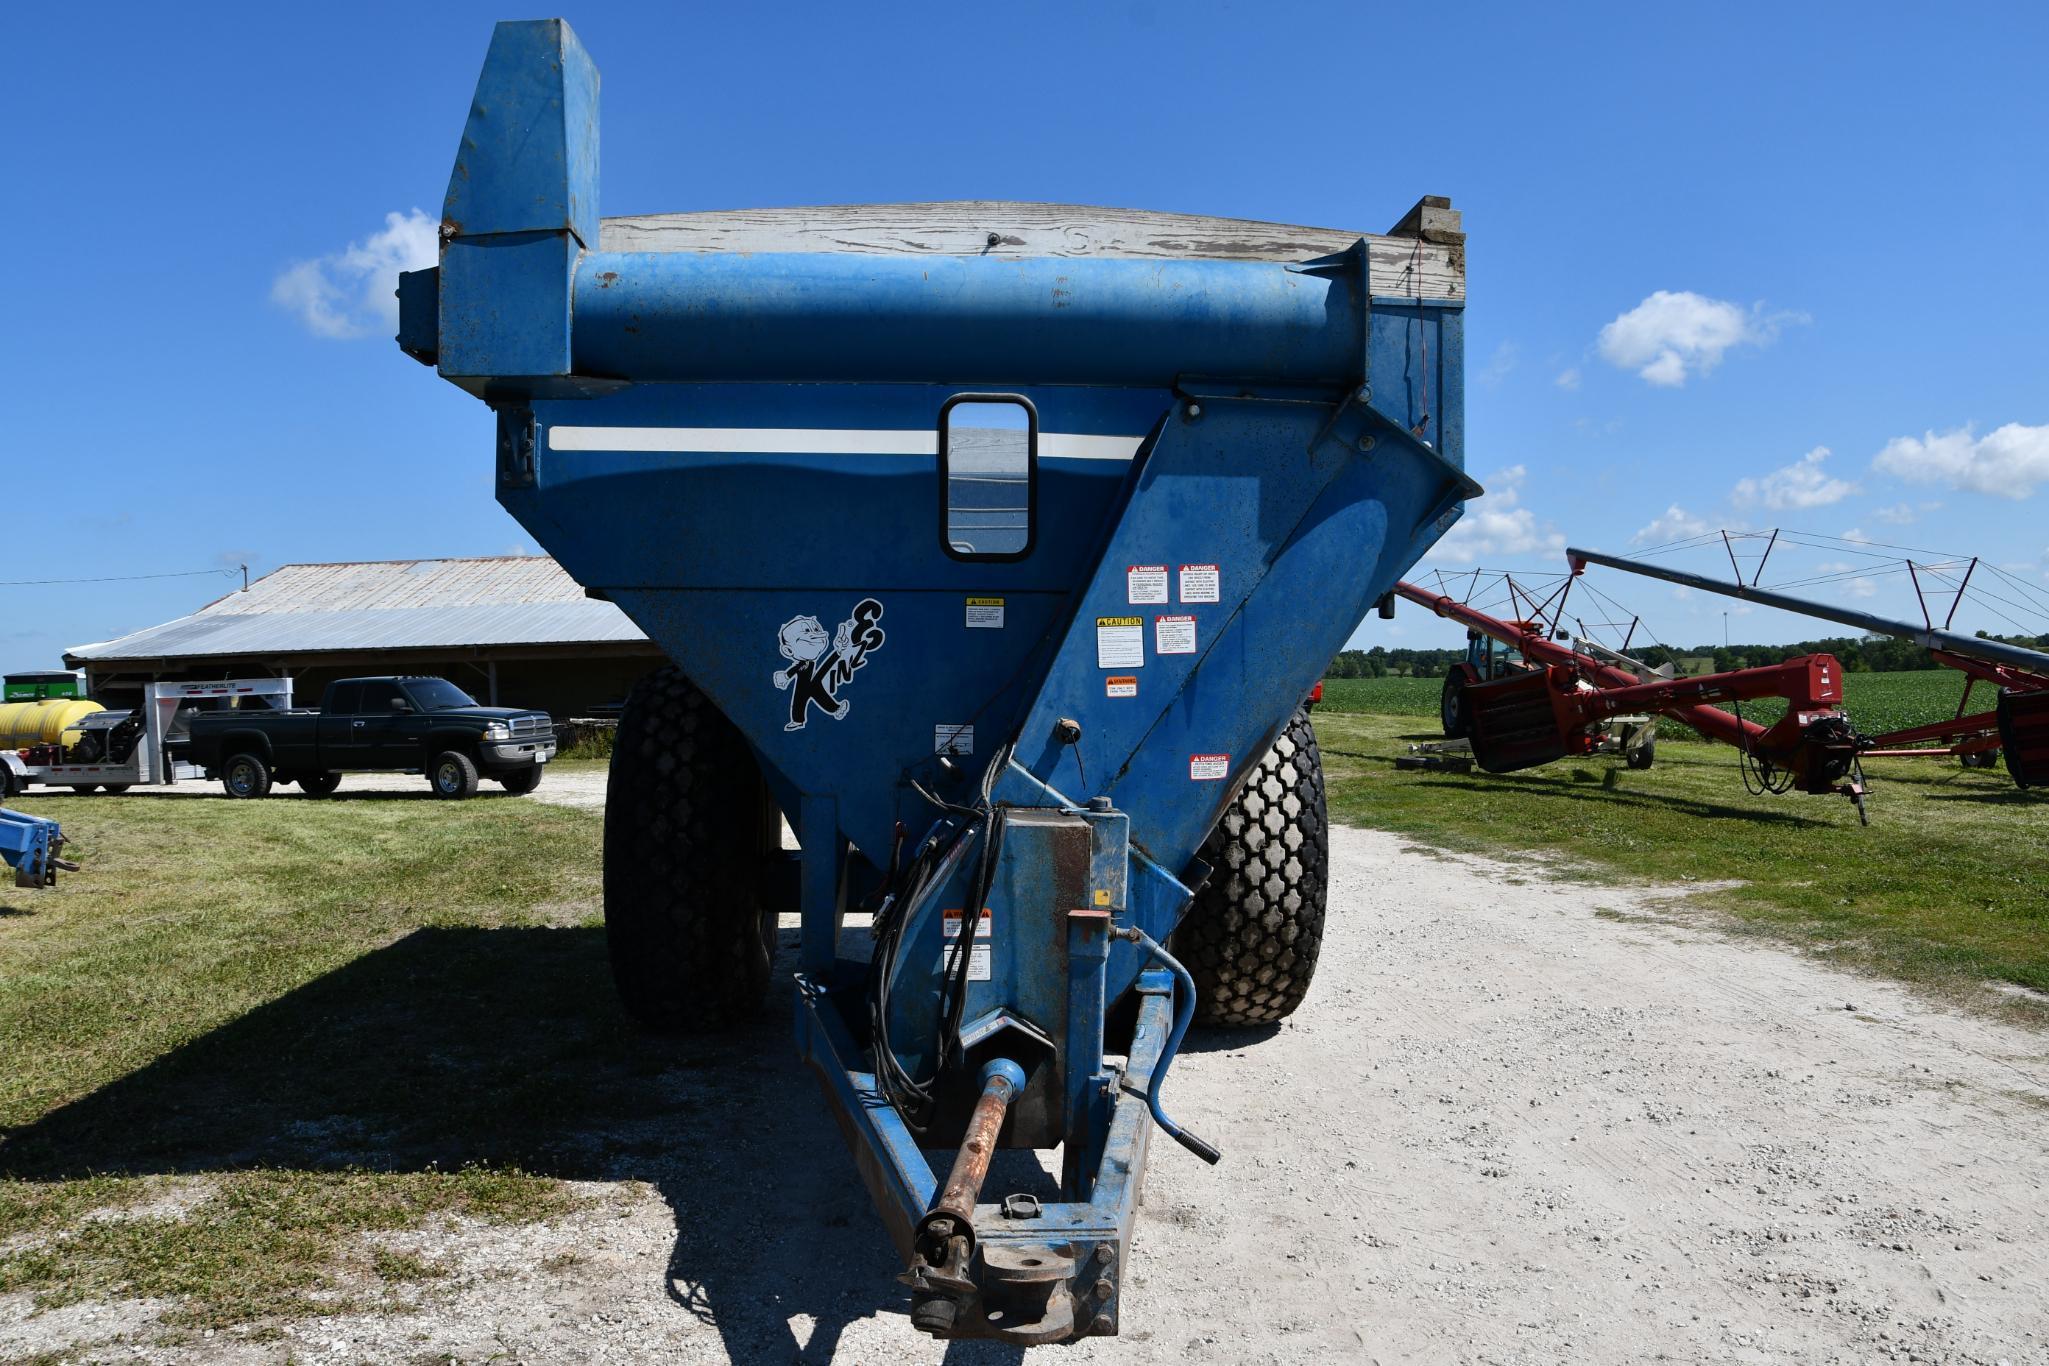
x: 383, y: 605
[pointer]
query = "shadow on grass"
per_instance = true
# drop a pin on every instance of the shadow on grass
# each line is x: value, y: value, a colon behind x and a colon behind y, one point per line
x: 2012, y: 796
x: 504, y: 1046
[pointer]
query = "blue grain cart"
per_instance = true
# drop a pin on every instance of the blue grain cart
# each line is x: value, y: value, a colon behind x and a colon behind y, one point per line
x: 995, y: 547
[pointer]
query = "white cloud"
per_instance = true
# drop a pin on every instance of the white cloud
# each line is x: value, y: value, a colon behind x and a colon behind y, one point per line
x: 1861, y: 588
x: 1505, y: 357
x: 1675, y: 523
x: 1673, y: 334
x: 350, y: 293
x: 2009, y: 461
x: 1498, y: 524
x: 1798, y: 485
x: 1899, y: 514
x: 1568, y: 378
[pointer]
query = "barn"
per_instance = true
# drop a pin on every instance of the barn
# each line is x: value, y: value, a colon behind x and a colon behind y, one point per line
x: 514, y: 630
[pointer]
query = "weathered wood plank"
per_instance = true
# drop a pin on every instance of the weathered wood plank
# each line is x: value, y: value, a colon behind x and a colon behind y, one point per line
x: 1431, y: 263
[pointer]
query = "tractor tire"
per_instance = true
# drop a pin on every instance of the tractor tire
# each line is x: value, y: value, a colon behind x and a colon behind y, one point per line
x: 1452, y: 712
x: 1252, y: 937
x: 454, y: 776
x: 521, y: 781
x: 320, y: 784
x: 686, y: 921
x: 245, y: 777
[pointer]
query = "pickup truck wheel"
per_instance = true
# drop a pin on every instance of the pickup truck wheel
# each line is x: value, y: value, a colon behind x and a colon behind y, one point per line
x: 686, y: 828
x: 1252, y: 937
x: 521, y: 781
x: 319, y: 784
x: 454, y: 776
x: 246, y: 776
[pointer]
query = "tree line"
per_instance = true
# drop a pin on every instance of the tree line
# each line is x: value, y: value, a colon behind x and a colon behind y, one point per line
x: 1858, y: 654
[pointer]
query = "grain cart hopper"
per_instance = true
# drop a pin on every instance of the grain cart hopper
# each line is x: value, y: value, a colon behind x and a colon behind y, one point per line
x: 995, y: 546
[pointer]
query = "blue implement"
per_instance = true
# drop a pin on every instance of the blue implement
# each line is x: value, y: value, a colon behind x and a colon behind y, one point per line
x: 30, y: 845
x: 1005, y: 564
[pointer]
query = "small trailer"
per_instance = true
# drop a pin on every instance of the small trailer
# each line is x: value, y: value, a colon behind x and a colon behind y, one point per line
x: 78, y: 744
x: 996, y: 547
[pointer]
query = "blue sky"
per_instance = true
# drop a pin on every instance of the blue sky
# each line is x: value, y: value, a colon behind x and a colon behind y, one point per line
x: 1706, y: 244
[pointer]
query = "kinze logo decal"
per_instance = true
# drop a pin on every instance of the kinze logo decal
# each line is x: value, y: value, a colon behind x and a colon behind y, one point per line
x: 820, y: 665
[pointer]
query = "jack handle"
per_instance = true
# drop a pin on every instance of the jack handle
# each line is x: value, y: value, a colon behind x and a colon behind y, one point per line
x: 1184, y: 1011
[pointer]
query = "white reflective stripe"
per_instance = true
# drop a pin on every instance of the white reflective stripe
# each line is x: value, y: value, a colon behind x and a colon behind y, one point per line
x: 1080, y: 446
x: 745, y: 440
x: 815, y: 441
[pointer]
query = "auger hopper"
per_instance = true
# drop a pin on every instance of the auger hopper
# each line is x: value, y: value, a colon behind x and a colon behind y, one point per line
x: 995, y: 546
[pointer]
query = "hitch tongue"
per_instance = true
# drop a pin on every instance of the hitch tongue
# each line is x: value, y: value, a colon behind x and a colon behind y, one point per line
x: 945, y: 1246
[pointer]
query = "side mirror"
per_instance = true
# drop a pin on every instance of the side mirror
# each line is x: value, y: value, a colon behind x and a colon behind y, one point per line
x: 399, y: 704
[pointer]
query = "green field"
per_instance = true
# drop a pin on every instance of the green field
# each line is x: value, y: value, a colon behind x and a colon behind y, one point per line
x: 1876, y: 702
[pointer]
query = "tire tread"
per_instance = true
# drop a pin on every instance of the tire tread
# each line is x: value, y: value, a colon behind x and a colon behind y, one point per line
x: 1253, y: 936
x: 684, y: 922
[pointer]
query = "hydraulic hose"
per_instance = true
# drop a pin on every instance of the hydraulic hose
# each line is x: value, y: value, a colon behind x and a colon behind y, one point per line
x: 1184, y: 1012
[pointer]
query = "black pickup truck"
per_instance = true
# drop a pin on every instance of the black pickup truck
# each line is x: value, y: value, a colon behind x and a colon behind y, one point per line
x: 402, y: 725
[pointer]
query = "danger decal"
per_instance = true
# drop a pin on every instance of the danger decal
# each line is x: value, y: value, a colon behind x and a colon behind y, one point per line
x: 1174, y: 635
x: 821, y: 665
x: 1145, y: 583
x: 1201, y: 583
x: 1209, y: 768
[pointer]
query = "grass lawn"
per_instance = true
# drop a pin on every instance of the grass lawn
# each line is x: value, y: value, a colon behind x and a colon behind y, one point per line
x: 1949, y: 886
x: 251, y: 1033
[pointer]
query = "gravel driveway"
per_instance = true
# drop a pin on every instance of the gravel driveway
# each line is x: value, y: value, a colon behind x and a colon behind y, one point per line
x: 1518, y: 1120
